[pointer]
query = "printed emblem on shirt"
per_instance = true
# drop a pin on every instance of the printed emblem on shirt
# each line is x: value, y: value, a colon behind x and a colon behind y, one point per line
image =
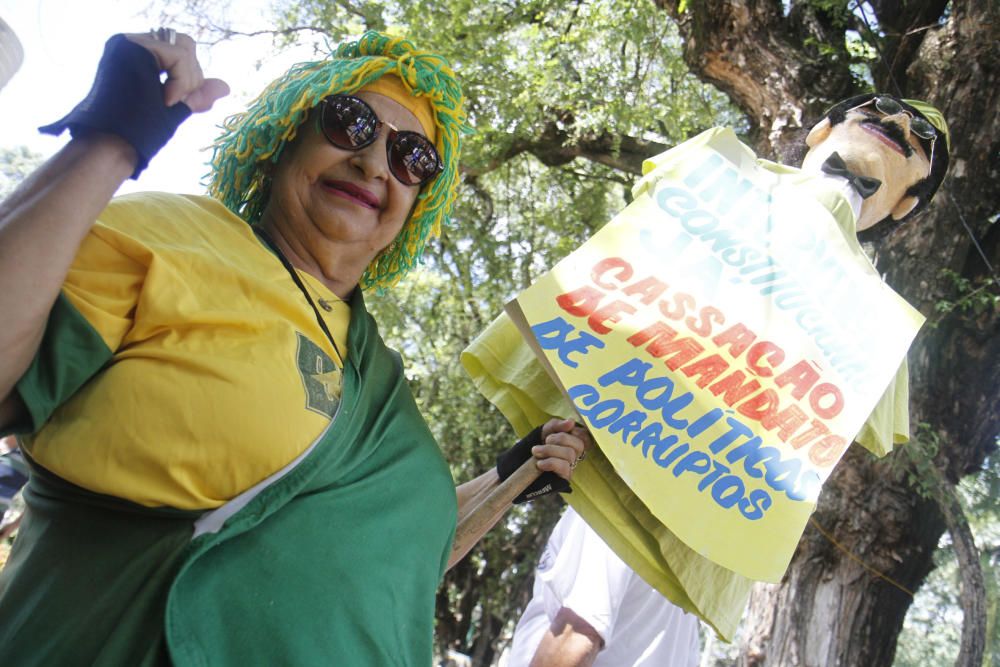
x: 547, y: 559
x: 321, y: 377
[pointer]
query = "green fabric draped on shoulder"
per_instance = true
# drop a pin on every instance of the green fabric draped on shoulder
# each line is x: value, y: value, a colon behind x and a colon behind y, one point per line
x: 337, y: 560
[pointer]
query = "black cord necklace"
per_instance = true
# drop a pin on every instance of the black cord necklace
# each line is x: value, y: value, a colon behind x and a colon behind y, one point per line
x: 302, y: 288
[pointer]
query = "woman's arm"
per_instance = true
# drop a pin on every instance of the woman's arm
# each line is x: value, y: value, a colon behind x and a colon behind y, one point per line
x: 44, y: 221
x: 41, y: 227
x: 563, y: 444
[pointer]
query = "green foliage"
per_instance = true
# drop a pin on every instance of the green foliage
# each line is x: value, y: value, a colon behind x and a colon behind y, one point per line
x: 860, y: 49
x: 338, y: 20
x: 863, y: 55
x: 915, y: 461
x: 594, y: 67
x: 970, y: 299
x: 15, y: 164
x: 933, y: 624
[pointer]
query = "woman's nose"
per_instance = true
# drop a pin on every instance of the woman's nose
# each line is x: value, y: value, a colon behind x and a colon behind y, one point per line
x: 371, y: 160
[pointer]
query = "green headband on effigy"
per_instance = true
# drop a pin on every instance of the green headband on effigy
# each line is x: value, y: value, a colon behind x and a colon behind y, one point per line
x: 932, y: 116
x: 253, y: 139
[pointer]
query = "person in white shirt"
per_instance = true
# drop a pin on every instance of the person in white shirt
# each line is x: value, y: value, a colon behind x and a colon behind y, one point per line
x: 590, y: 608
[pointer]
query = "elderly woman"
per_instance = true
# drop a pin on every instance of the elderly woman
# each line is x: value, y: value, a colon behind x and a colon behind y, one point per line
x: 227, y: 464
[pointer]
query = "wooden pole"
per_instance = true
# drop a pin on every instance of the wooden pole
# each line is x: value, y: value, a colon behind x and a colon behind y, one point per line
x: 488, y: 507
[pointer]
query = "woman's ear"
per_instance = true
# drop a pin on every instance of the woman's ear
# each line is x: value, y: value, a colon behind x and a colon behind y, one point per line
x: 819, y: 132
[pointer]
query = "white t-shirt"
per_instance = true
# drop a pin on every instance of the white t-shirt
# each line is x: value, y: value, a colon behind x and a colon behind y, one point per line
x: 639, y: 626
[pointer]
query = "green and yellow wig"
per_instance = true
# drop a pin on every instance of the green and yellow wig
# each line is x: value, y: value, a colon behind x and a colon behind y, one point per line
x: 254, y: 139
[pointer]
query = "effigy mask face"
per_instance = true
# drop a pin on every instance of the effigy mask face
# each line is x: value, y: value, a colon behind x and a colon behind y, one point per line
x: 877, y: 145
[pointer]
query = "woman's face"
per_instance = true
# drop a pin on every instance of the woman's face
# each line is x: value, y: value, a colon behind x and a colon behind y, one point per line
x: 325, y: 195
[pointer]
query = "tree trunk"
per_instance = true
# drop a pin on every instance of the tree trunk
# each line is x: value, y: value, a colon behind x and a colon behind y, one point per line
x: 871, y: 541
x: 846, y: 593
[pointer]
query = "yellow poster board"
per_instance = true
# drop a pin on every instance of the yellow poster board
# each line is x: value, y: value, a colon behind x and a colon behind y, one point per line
x: 724, y: 340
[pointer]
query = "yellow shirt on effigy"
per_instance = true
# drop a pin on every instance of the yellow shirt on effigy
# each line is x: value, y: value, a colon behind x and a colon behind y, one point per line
x: 507, y: 373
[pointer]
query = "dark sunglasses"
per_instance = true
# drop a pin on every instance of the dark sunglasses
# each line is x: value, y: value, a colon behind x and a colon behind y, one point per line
x: 918, y: 126
x: 350, y: 124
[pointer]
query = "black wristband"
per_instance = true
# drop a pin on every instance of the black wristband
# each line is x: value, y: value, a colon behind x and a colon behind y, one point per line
x: 127, y: 100
x: 512, y: 459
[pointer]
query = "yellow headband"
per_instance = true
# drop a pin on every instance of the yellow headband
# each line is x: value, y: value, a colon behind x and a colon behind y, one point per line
x: 392, y: 87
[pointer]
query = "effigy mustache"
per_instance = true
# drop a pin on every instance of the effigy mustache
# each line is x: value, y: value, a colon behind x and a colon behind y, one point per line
x: 893, y: 131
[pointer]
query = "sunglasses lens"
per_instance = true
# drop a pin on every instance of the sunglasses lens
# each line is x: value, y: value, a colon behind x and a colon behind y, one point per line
x: 349, y: 123
x: 887, y: 105
x: 412, y: 158
x: 922, y: 128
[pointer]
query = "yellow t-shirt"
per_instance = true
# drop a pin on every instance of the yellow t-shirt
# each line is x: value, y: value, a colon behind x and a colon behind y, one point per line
x: 181, y: 364
x: 507, y: 373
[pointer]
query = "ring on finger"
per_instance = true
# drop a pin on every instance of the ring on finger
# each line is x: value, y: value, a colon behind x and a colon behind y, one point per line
x: 168, y: 35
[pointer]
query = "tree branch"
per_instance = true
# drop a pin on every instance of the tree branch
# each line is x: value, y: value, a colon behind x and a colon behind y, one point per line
x: 774, y: 67
x: 904, y: 26
x: 553, y: 147
x: 973, y: 595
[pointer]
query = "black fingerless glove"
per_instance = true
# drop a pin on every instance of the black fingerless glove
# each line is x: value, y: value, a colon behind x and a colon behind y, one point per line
x: 126, y: 99
x: 508, y: 462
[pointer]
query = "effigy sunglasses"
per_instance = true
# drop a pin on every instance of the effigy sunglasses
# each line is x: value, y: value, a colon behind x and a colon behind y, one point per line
x: 918, y: 126
x: 349, y: 123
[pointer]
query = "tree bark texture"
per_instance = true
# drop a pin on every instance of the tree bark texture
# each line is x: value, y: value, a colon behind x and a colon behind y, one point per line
x: 554, y: 148
x: 775, y: 67
x: 973, y: 595
x: 872, y: 538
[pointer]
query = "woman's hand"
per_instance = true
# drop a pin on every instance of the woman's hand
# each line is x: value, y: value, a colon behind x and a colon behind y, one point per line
x: 482, y: 501
x: 185, y: 80
x: 556, y: 446
x: 564, y: 444
x: 121, y: 124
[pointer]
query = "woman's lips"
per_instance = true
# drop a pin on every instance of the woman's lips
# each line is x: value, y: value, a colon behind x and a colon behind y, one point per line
x: 876, y: 130
x: 352, y: 192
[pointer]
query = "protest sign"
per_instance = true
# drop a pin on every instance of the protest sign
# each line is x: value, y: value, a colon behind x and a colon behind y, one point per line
x: 724, y: 340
